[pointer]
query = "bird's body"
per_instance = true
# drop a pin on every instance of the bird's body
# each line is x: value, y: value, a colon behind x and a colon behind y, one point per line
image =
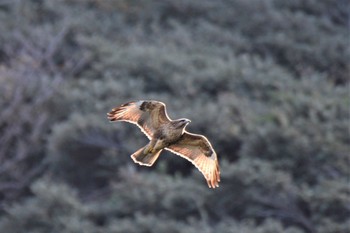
x: 168, y: 134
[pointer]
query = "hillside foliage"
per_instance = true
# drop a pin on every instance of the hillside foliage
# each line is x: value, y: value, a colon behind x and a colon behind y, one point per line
x: 266, y: 81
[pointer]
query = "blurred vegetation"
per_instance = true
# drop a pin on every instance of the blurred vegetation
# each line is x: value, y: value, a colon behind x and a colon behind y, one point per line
x: 266, y: 81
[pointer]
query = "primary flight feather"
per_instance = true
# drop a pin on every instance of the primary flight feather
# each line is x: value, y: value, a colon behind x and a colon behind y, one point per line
x: 164, y: 133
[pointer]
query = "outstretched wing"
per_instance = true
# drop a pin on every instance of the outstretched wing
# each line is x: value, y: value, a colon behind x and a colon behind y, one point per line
x: 148, y: 115
x: 198, y: 150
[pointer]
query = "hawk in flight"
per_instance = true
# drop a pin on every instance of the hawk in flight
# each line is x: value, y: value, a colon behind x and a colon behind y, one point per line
x: 164, y: 133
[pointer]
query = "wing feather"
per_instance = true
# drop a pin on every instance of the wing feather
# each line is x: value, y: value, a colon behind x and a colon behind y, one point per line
x: 198, y: 150
x: 147, y: 115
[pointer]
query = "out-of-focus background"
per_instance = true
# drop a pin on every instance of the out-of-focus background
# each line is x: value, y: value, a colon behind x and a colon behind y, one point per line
x: 266, y: 81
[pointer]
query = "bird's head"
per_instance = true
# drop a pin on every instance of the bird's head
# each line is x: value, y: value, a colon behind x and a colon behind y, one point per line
x: 182, y: 123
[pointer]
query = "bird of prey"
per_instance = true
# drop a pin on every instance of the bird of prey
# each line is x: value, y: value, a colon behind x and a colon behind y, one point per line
x: 151, y: 117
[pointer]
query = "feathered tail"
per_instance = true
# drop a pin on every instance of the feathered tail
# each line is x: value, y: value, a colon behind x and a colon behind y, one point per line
x: 145, y: 159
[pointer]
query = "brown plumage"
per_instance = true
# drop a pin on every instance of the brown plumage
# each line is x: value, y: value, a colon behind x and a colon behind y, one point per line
x: 164, y: 133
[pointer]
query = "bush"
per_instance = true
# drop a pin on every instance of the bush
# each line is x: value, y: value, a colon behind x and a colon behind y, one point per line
x: 54, y: 208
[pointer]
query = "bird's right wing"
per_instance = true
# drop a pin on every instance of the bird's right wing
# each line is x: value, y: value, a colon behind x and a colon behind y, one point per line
x: 198, y: 150
x: 148, y: 115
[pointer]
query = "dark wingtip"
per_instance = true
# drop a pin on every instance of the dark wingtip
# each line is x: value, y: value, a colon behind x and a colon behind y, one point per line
x: 111, y: 119
x: 111, y: 115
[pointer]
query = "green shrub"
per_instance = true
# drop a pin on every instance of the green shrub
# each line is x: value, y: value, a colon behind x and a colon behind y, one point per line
x: 54, y: 208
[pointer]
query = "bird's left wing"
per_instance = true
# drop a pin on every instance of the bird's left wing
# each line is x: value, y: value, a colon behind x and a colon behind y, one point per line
x: 148, y: 115
x: 198, y: 150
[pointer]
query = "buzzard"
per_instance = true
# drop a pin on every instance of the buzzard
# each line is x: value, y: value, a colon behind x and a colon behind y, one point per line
x: 164, y: 133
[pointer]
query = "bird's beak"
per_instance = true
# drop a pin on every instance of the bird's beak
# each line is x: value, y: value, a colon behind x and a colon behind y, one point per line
x: 188, y: 121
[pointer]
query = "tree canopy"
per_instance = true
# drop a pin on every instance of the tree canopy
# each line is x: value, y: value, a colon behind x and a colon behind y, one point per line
x: 266, y: 81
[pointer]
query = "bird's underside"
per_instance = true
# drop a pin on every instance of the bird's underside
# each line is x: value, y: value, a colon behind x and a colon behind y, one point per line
x: 164, y: 133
